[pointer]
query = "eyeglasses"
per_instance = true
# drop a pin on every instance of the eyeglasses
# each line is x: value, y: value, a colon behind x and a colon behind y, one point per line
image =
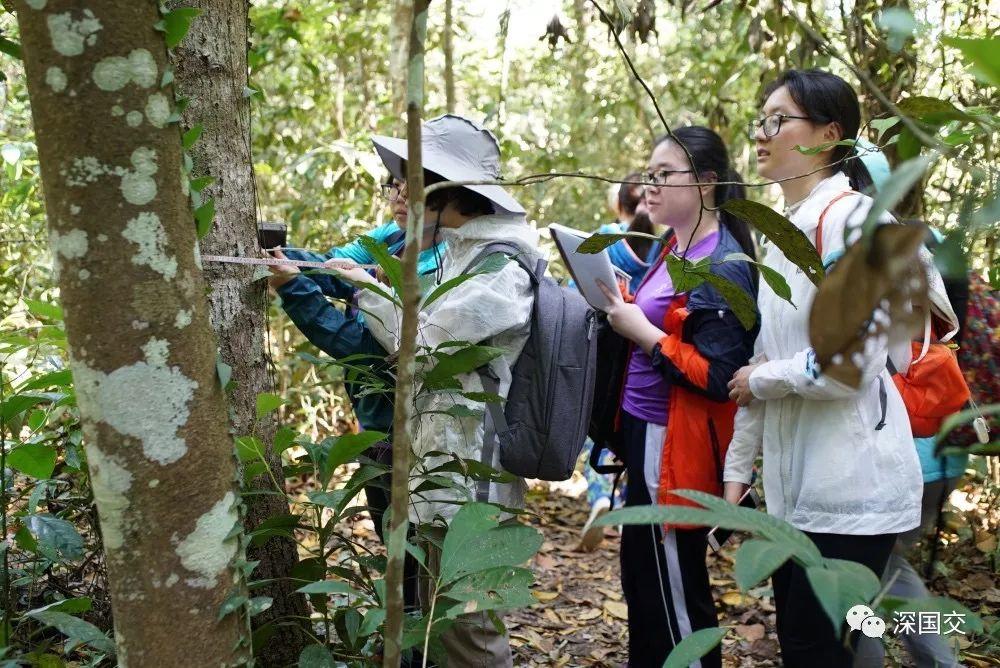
x: 393, y: 192
x: 770, y: 124
x: 661, y: 176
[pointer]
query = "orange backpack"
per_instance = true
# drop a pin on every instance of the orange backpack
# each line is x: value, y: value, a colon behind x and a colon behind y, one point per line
x: 933, y: 387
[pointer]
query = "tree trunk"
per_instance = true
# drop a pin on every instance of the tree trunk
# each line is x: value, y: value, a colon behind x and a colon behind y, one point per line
x: 449, y: 58
x: 123, y: 244
x: 402, y: 432
x: 399, y: 39
x: 211, y: 71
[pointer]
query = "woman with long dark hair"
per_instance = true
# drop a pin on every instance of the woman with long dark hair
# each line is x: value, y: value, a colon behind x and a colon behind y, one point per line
x: 675, y: 416
x: 839, y: 462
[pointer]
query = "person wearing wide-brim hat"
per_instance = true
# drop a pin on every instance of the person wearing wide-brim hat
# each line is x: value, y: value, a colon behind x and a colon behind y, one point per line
x: 491, y: 307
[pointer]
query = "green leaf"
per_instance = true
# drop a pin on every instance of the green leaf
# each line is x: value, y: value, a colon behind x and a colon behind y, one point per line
x: 329, y: 587
x: 284, y: 438
x: 317, y: 656
x: 742, y: 304
x: 902, y: 179
x: 815, y: 150
x: 686, y: 275
x: 982, y: 54
x: 454, y: 364
x: 68, y: 605
x: 789, y: 239
x: 597, y: 242
x: 839, y: 585
x: 932, y: 110
x: 19, y: 403
x: 33, y: 459
x: 463, y: 411
x: 191, y: 136
x: 44, y: 310
x: 225, y: 372
x: 57, y: 539
x: 11, y: 48
x: 202, y: 182
x: 203, y: 216
x: 491, y: 264
x: 77, y: 631
x: 62, y: 378
x: 900, y: 25
x: 882, y: 125
x: 259, y: 604
x: 267, y: 402
x: 249, y: 449
x: 346, y: 448
x: 771, y: 276
x: 232, y: 604
x: 373, y: 619
x: 500, y: 588
x: 392, y: 267
x: 757, y: 559
x: 695, y: 646
x: 176, y: 24
x: 475, y: 542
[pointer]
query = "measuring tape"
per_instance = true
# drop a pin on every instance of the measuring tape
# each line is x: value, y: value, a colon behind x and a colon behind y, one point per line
x: 275, y: 262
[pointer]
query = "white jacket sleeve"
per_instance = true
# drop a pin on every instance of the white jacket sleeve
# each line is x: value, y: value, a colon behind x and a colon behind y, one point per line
x: 474, y: 311
x: 748, y: 437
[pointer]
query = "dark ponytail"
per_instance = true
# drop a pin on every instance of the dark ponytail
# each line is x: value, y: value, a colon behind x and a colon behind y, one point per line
x: 826, y: 98
x: 711, y: 156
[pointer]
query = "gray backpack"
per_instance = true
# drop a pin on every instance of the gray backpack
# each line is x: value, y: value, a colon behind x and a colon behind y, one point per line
x: 542, y: 428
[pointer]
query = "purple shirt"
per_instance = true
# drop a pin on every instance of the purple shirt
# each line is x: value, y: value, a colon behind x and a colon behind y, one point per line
x: 647, y: 392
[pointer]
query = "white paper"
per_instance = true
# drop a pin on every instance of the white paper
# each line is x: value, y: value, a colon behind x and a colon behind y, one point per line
x: 586, y: 268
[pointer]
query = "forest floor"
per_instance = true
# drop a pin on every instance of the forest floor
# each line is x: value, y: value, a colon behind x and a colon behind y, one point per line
x: 580, y: 617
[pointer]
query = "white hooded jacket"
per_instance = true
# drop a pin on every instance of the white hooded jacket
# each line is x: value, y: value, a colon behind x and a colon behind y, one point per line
x: 492, y: 309
x: 826, y: 468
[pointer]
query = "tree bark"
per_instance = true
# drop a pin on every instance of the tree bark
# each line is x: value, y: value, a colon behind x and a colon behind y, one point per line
x: 211, y: 72
x: 144, y: 363
x: 402, y: 433
x: 399, y: 39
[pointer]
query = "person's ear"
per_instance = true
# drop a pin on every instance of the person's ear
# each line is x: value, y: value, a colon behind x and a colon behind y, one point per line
x: 708, y: 178
x: 832, y: 132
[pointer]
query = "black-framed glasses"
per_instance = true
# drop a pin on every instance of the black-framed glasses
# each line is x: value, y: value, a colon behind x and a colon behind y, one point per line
x: 661, y: 176
x: 770, y: 124
x: 392, y: 192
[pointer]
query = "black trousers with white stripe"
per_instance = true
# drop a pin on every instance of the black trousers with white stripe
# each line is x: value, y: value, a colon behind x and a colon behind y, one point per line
x: 664, y: 574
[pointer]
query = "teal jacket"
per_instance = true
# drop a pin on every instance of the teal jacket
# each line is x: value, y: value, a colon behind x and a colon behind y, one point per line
x: 342, y: 334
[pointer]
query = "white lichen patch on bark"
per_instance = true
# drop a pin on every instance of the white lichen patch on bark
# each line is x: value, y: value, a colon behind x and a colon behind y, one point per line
x: 56, y: 79
x: 183, y: 319
x: 75, y: 210
x: 138, y: 186
x: 117, y: 110
x: 71, y: 245
x: 146, y: 231
x: 153, y: 483
x: 115, y: 72
x: 139, y: 325
x: 83, y: 274
x: 158, y: 110
x: 208, y: 549
x: 102, y: 237
x: 172, y: 579
x: 111, y: 482
x: 84, y: 171
x: 147, y: 400
x: 69, y: 35
x: 157, y: 352
x: 37, y: 4
x: 134, y: 119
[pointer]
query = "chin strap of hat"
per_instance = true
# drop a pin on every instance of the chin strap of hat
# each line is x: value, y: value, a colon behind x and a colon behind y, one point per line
x: 438, y: 269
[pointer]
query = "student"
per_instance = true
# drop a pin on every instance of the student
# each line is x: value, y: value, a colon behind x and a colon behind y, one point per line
x: 675, y: 414
x: 342, y: 333
x: 830, y: 468
x: 493, y: 308
x: 628, y: 255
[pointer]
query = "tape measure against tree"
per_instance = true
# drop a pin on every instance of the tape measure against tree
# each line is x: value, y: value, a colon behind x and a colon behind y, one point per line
x: 275, y: 262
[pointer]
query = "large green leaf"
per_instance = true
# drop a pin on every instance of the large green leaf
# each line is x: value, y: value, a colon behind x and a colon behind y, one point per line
x: 757, y: 559
x: 476, y: 542
x: 932, y: 110
x: 686, y: 275
x: 780, y: 231
x: 62, y: 378
x: 743, y: 305
x: 329, y: 587
x: 57, y: 539
x: 34, y: 459
x: 982, y: 54
x: 839, y: 585
x: 695, y: 646
x: 771, y: 276
x: 267, y: 402
x: 78, y: 631
x: 176, y: 24
x: 490, y: 265
x: 346, y: 448
x: 317, y: 656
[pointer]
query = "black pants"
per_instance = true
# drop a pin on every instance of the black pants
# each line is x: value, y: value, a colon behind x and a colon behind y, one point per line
x: 664, y: 575
x: 804, y: 630
x: 377, y: 493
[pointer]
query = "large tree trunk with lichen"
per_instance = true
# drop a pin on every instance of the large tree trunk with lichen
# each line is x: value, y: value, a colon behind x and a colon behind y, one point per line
x: 123, y: 242
x: 211, y: 72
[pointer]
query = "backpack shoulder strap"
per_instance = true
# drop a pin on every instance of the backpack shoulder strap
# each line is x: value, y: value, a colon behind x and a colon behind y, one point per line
x: 822, y: 217
x: 514, y: 251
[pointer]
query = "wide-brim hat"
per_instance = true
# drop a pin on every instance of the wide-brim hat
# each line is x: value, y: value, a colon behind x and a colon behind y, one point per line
x: 456, y: 149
